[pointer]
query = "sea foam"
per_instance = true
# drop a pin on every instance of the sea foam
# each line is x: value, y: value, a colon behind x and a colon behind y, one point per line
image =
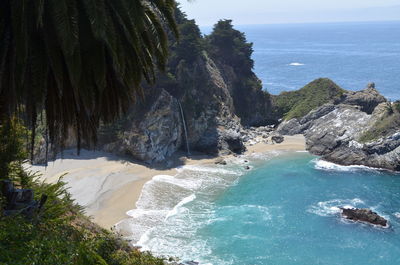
x: 332, y: 207
x: 178, y: 207
x: 162, y: 219
x: 329, y: 166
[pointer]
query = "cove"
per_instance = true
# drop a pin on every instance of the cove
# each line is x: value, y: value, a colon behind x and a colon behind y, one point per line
x: 285, y: 211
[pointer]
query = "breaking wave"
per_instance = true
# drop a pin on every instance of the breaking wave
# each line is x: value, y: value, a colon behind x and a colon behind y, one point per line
x: 162, y: 219
x: 329, y: 166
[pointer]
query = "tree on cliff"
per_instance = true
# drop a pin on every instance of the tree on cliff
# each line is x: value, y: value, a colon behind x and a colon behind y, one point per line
x: 190, y: 44
x: 81, y: 61
x: 230, y: 46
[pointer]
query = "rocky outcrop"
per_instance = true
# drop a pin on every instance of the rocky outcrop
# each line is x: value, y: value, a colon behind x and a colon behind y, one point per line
x: 277, y: 139
x: 254, y: 135
x: 208, y: 106
x: 365, y: 216
x: 20, y: 201
x: 250, y: 102
x: 153, y: 134
x: 334, y: 131
x: 153, y: 129
x: 367, y: 99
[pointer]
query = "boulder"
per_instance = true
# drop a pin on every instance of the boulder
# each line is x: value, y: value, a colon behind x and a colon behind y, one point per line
x: 277, y: 139
x: 220, y: 161
x: 232, y: 141
x: 364, y: 215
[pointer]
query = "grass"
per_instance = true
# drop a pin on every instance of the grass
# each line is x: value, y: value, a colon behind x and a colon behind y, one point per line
x: 297, y: 104
x: 385, y: 126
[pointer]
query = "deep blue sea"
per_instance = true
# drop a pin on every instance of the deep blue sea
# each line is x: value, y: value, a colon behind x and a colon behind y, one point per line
x: 285, y: 210
x: 289, y: 56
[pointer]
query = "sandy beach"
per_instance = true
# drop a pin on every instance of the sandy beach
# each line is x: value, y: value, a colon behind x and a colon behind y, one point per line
x: 108, y: 186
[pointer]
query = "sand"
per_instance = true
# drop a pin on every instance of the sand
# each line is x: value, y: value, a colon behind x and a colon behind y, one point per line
x: 291, y: 143
x: 108, y: 186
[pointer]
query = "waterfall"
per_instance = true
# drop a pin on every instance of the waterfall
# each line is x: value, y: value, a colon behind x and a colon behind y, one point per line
x: 184, y: 128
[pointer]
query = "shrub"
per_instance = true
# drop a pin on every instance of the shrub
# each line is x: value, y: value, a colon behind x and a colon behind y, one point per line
x: 60, y: 233
x: 296, y: 104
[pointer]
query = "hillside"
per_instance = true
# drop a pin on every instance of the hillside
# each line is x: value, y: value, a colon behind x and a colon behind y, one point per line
x: 388, y: 124
x: 298, y: 103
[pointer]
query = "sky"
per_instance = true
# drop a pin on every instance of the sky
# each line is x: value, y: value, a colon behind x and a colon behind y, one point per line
x: 244, y: 12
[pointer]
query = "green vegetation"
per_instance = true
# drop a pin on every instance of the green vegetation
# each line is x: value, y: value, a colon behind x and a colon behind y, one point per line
x: 385, y: 126
x: 13, y: 151
x: 230, y: 47
x: 296, y: 104
x: 396, y: 106
x: 63, y: 237
x: 190, y: 44
x: 81, y: 61
x: 59, y: 233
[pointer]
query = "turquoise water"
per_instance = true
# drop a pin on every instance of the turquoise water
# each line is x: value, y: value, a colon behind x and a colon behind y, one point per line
x: 289, y: 56
x: 283, y: 211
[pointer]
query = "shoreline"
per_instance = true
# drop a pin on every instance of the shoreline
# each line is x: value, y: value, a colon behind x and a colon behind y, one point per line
x: 109, y: 186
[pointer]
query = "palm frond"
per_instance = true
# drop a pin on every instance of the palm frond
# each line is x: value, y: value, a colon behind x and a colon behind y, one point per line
x: 81, y: 61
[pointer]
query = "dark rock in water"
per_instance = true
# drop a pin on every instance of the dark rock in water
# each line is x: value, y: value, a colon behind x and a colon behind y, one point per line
x: 364, y: 215
x: 277, y: 139
x: 189, y: 263
x: 247, y: 167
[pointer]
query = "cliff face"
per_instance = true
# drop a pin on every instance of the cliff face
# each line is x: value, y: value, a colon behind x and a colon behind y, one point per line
x: 213, y: 98
x: 150, y: 133
x: 338, y: 132
x: 250, y: 102
x: 207, y: 105
x: 216, y: 96
x: 154, y: 128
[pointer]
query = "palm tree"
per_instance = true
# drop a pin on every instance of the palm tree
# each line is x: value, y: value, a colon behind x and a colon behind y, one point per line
x: 79, y: 61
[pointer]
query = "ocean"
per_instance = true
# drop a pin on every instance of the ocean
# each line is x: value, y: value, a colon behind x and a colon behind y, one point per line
x: 289, y: 56
x: 285, y: 210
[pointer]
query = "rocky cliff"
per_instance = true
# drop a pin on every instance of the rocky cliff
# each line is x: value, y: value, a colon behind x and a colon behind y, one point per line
x: 210, y: 97
x: 151, y: 131
x: 337, y: 131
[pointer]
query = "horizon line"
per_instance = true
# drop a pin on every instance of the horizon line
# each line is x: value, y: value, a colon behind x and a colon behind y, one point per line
x: 299, y: 23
